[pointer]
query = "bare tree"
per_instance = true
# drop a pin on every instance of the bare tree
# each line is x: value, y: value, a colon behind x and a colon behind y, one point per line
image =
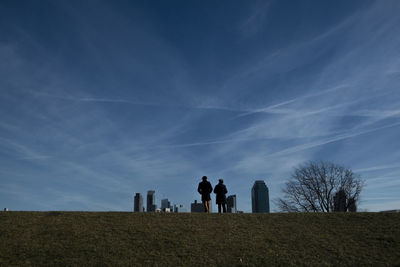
x: 313, y: 186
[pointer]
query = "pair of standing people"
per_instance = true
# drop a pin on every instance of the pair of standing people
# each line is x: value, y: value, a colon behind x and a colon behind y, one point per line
x: 205, y: 189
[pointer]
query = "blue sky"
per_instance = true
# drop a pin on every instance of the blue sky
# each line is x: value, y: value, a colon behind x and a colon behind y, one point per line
x: 103, y: 99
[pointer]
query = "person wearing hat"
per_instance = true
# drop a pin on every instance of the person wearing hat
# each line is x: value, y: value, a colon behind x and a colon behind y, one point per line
x: 205, y: 189
x: 220, y: 190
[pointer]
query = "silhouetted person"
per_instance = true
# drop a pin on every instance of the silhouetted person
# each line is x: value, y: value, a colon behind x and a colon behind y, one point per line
x: 220, y: 191
x: 205, y: 189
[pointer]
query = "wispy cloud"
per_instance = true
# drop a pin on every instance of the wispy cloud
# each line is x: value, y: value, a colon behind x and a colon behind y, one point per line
x: 254, y: 22
x: 378, y: 168
x: 330, y: 140
x: 272, y: 108
x: 23, y: 152
x: 200, y: 106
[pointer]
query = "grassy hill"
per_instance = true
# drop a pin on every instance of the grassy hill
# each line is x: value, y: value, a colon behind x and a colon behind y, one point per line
x: 122, y: 238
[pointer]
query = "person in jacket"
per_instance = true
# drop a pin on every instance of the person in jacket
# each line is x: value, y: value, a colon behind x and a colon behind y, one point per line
x: 205, y: 189
x: 220, y: 191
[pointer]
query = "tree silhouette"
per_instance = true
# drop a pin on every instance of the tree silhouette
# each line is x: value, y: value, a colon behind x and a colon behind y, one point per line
x: 315, y: 186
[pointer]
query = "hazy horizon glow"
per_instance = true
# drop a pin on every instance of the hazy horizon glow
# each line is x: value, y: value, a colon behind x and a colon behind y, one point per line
x: 104, y: 99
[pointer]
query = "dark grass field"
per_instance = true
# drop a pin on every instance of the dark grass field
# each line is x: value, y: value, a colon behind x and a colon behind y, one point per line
x: 122, y: 238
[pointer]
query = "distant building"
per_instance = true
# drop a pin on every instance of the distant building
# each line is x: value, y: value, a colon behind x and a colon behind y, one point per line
x: 260, y: 197
x: 391, y: 211
x: 352, y: 205
x: 179, y: 208
x: 196, y: 207
x: 171, y: 207
x: 138, y: 203
x: 165, y: 204
x: 341, y: 203
x: 151, y: 201
x: 231, y: 204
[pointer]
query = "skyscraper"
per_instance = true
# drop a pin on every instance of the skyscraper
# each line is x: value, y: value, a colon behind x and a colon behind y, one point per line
x: 151, y: 201
x: 197, y: 207
x: 342, y: 203
x: 339, y: 201
x: 259, y: 197
x: 231, y: 204
x: 165, y: 204
x: 138, y: 203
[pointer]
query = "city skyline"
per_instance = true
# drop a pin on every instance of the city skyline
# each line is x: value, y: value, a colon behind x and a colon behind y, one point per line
x: 101, y: 99
x: 197, y: 206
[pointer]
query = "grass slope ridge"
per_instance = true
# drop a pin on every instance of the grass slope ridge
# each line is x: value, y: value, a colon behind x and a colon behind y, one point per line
x: 122, y: 238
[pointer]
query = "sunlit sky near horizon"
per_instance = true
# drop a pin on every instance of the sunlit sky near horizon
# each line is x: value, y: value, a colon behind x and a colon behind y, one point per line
x: 104, y: 99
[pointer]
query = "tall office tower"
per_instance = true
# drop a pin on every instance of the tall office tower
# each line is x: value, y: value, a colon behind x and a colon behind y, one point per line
x: 138, y: 205
x: 259, y: 197
x: 339, y: 201
x: 197, y: 207
x: 151, y: 201
x: 165, y: 204
x: 342, y: 203
x: 231, y: 204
